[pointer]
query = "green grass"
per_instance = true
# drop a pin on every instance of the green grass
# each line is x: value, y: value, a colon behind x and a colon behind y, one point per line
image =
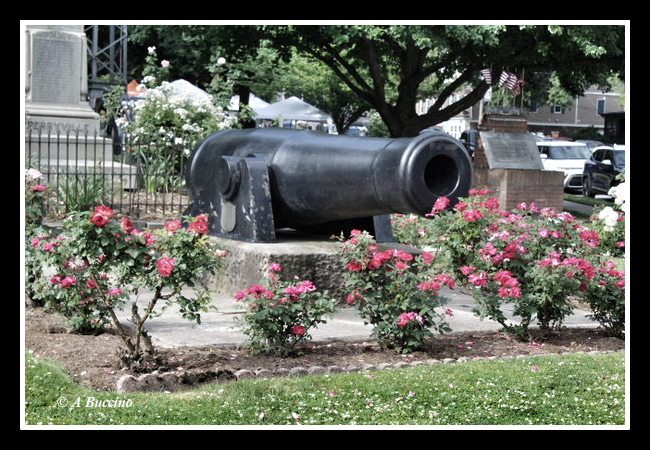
x: 577, y: 389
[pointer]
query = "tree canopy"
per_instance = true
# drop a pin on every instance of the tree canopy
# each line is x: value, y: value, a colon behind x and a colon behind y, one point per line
x: 390, y: 68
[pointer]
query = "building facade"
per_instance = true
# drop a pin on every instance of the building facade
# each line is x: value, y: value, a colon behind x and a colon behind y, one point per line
x: 587, y: 111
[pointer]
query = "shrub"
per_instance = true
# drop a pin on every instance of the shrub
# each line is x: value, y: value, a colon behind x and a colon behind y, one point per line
x: 605, y: 295
x: 533, y: 260
x: 394, y: 291
x: 99, y: 262
x: 279, y: 314
x: 166, y: 125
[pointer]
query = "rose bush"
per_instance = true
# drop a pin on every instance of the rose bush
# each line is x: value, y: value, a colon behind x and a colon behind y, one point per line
x: 36, y: 195
x: 165, y: 125
x: 279, y: 314
x: 35, y: 198
x: 394, y: 291
x: 534, y: 261
x: 99, y: 262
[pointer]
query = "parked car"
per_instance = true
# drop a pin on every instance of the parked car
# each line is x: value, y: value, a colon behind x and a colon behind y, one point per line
x: 468, y: 139
x: 600, y: 170
x: 565, y: 156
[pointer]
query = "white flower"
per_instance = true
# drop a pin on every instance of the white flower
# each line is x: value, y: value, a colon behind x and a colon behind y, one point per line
x: 609, y: 217
x: 33, y: 174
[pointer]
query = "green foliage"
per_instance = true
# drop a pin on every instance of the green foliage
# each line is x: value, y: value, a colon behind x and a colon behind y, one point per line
x: 79, y: 191
x: 279, y: 314
x: 394, y: 291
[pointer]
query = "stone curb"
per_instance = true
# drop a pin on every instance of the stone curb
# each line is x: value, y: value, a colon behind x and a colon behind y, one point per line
x: 173, y: 382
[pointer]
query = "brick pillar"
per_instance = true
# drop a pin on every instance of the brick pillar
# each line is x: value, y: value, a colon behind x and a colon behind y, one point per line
x: 515, y: 186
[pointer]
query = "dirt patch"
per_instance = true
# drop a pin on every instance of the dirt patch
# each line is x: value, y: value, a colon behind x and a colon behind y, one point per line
x: 93, y: 360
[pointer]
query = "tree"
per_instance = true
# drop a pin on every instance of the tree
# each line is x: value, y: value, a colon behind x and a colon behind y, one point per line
x: 392, y: 67
x: 312, y: 81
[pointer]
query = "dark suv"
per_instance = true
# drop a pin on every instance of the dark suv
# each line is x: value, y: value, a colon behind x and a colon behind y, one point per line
x: 601, y: 169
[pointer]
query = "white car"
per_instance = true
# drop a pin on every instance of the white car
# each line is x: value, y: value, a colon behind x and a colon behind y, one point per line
x: 565, y: 156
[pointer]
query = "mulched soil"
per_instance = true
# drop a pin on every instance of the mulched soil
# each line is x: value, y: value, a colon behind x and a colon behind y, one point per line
x: 93, y: 360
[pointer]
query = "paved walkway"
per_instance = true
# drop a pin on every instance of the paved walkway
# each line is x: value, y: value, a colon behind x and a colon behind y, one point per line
x: 220, y: 328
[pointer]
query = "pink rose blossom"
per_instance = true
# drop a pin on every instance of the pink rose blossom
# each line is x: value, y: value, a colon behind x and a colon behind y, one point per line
x: 298, y: 330
x: 101, y: 216
x: 172, y: 226
x: 165, y: 266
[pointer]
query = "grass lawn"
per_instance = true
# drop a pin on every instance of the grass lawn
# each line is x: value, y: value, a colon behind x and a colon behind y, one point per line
x: 572, y: 389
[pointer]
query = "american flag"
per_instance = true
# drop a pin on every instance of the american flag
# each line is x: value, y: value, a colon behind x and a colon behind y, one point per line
x: 487, y: 75
x: 511, y: 81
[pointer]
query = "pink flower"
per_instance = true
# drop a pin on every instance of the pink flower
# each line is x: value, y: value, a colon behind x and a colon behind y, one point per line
x: 472, y: 214
x: 165, y: 266
x: 440, y: 204
x: 68, y: 281
x: 355, y: 295
x: 114, y: 291
x: 428, y: 257
x: 172, y: 226
x: 466, y: 270
x: 200, y: 225
x: 126, y: 225
x: 101, y: 216
x: 405, y: 318
x: 298, y: 330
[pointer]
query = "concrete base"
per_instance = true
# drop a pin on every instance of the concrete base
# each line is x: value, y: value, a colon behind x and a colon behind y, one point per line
x: 306, y: 257
x: 77, y: 153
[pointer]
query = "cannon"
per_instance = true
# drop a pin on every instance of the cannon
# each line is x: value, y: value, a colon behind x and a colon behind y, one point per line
x: 252, y: 182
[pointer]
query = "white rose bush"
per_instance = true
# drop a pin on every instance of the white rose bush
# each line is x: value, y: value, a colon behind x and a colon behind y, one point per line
x: 165, y: 126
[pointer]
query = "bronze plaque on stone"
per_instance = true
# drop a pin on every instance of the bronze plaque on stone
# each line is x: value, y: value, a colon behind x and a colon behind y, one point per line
x: 511, y: 151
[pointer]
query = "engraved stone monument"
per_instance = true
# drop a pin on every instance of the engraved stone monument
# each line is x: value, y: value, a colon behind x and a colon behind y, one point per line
x: 56, y: 80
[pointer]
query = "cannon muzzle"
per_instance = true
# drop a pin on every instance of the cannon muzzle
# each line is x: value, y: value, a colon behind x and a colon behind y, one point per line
x: 254, y: 181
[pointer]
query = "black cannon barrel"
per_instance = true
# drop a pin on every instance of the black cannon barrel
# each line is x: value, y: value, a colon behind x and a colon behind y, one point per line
x: 316, y: 178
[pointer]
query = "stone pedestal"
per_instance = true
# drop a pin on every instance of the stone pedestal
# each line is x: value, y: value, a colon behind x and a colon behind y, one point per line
x: 514, y: 186
x: 306, y: 257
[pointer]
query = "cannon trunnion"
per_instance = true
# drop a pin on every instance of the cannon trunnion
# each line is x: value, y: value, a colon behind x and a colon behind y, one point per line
x: 254, y: 181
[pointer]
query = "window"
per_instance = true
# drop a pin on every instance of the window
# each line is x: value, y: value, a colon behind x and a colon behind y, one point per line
x: 600, y: 106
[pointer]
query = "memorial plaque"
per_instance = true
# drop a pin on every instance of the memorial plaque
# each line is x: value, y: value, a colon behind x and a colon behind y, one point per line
x: 511, y: 151
x: 56, y: 68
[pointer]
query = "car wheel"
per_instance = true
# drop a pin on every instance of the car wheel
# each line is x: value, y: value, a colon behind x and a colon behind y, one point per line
x: 586, y: 188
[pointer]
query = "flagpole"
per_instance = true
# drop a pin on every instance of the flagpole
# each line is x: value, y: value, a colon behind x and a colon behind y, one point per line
x: 523, y: 79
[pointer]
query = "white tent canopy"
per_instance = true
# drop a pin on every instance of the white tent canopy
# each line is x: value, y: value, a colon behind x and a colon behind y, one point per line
x: 293, y: 108
x: 254, y: 102
x: 184, y: 87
